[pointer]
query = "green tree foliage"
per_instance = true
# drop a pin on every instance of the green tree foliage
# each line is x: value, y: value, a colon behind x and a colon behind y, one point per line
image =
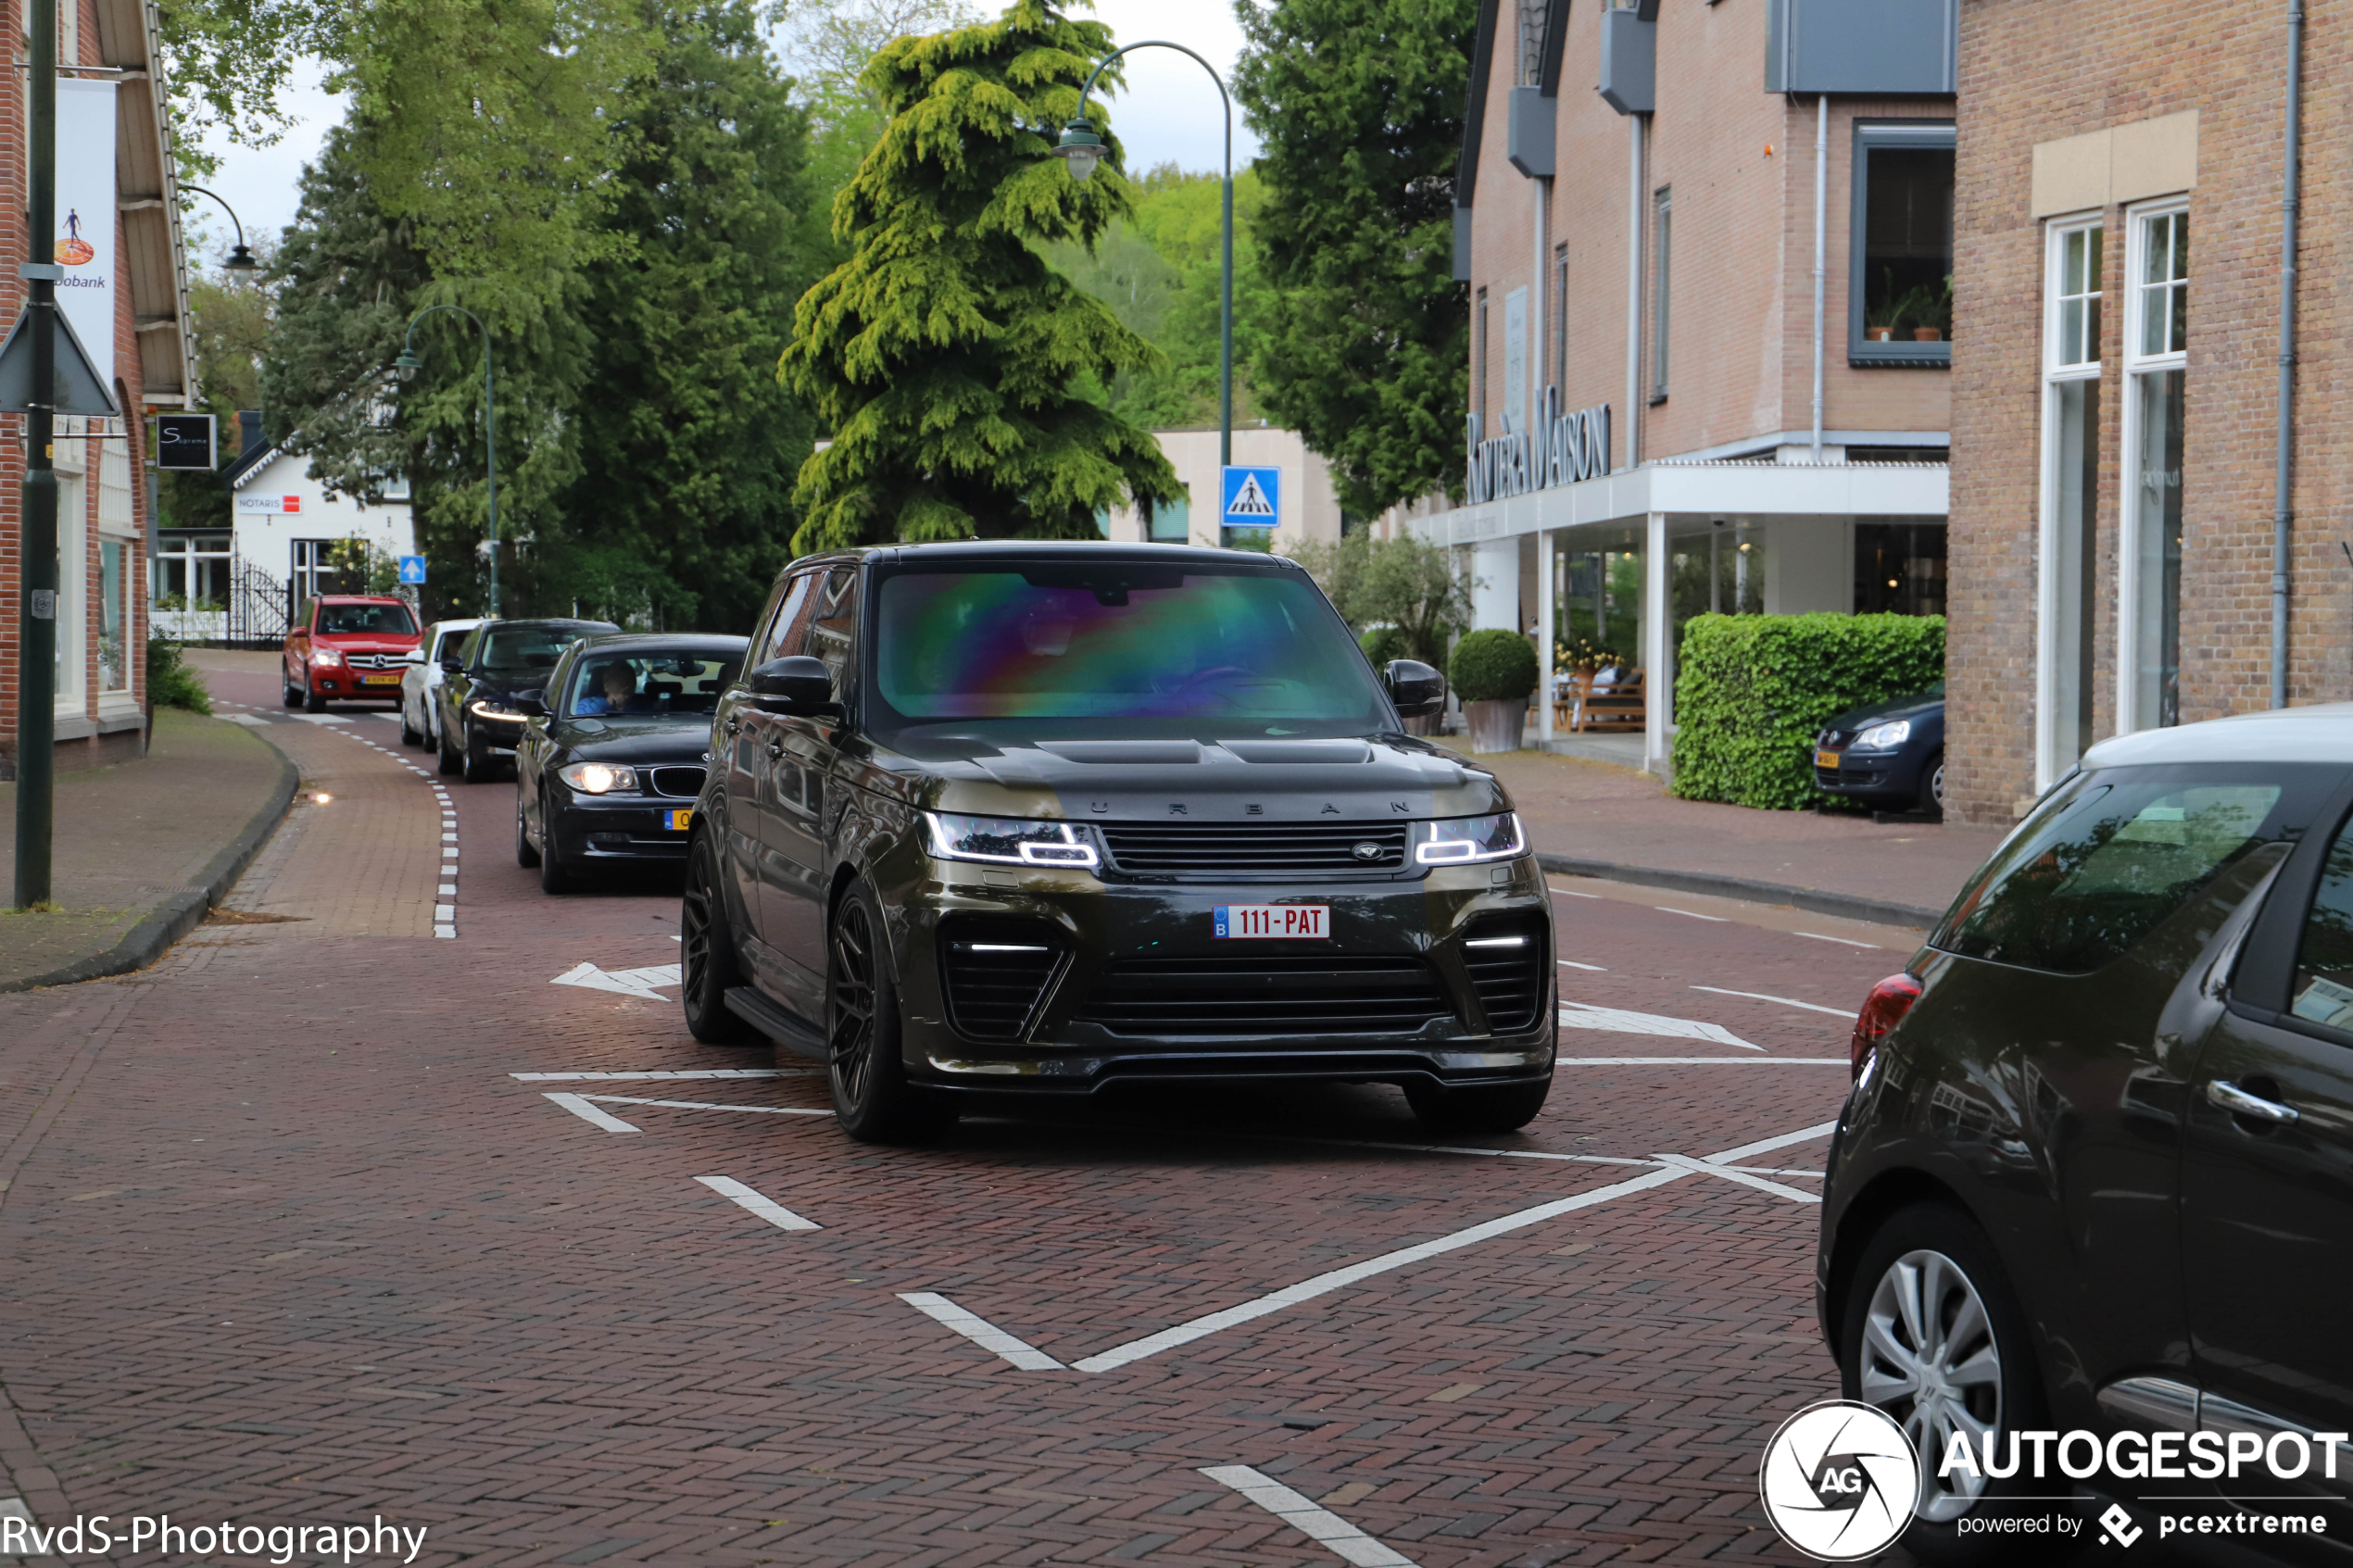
x: 688, y: 446
x: 1359, y: 104
x: 231, y: 315
x: 1752, y: 692
x: 943, y: 354
x: 1161, y: 272
x: 827, y: 45
x: 1407, y: 586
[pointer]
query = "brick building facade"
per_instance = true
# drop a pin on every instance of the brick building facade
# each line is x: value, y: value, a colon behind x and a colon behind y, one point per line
x: 103, y: 523
x: 1637, y: 213
x: 2118, y: 263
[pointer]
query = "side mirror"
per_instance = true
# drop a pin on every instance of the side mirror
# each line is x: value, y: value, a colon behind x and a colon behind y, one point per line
x: 796, y: 685
x: 531, y: 703
x: 452, y: 667
x: 1416, y: 689
x: 414, y: 656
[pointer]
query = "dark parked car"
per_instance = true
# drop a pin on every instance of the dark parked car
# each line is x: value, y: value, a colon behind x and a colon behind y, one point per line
x: 476, y: 720
x: 608, y: 772
x: 1890, y: 754
x: 2097, y: 1168
x: 1047, y: 818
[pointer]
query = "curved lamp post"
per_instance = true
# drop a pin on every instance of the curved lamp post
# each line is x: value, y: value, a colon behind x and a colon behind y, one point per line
x: 1080, y: 149
x: 407, y: 365
x: 240, y: 260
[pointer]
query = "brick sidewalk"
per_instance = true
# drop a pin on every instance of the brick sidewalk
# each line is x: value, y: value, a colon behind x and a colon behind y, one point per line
x: 1595, y: 812
x: 136, y: 838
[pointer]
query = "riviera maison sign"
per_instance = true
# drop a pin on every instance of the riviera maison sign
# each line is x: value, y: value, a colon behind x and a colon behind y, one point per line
x: 1566, y: 447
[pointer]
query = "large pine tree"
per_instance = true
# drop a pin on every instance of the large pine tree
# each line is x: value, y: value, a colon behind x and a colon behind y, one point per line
x: 1359, y: 104
x: 945, y: 354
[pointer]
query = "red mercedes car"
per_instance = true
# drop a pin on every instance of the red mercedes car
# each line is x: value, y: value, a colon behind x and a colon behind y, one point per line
x: 353, y: 647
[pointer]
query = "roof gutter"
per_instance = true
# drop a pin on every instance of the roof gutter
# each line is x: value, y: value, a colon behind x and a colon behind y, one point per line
x: 2283, y: 513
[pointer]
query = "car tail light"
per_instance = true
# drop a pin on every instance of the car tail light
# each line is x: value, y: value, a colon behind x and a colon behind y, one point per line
x: 1882, y: 1010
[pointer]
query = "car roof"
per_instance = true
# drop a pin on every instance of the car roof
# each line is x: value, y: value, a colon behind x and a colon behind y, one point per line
x: 2320, y: 733
x: 1037, y: 549
x: 359, y: 599
x: 546, y: 621
x: 462, y: 623
x: 710, y: 642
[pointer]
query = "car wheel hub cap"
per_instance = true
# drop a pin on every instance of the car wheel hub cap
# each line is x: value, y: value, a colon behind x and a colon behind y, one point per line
x: 1929, y: 1359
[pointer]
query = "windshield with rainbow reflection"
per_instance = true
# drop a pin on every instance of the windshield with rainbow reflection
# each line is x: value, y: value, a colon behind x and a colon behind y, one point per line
x: 1121, y: 649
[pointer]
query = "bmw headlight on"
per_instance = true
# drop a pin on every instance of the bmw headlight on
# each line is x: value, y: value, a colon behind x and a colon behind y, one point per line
x: 599, y: 778
x: 1460, y: 840
x: 495, y: 708
x: 1010, y: 841
x: 1885, y: 737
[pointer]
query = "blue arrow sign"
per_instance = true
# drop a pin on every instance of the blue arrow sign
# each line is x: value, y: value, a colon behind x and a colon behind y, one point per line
x: 1253, y: 498
x: 413, y: 569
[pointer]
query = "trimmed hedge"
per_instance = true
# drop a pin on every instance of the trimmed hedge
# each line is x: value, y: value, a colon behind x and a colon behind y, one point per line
x: 1492, y: 666
x: 1753, y: 691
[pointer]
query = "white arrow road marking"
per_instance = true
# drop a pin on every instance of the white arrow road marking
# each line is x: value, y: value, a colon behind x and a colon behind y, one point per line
x: 979, y: 1331
x: 1617, y: 1020
x: 1785, y: 1001
x: 638, y: 982
x: 767, y: 1209
x: 246, y: 719
x: 590, y: 1114
x: 1319, y: 1525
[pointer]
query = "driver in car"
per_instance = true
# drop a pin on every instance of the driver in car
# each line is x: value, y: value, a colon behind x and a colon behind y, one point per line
x: 619, y: 683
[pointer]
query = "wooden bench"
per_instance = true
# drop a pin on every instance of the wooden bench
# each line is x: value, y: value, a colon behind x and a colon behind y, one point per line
x: 1577, y: 705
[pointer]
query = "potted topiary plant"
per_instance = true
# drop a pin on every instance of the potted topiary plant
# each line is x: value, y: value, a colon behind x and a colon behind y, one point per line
x: 1494, y: 671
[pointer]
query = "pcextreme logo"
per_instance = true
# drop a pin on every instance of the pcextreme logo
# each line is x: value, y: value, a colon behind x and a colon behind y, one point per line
x: 1840, y: 1481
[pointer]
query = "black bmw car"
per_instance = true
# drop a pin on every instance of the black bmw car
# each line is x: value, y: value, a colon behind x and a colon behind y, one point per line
x: 1050, y: 819
x: 610, y: 761
x: 1890, y: 754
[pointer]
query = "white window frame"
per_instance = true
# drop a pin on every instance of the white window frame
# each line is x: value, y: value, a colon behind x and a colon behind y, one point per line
x: 2137, y: 219
x: 118, y: 521
x: 2054, y: 374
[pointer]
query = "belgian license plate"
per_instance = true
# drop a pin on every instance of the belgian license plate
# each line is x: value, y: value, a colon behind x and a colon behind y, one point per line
x: 380, y: 680
x: 678, y: 820
x: 1826, y: 759
x: 1311, y: 922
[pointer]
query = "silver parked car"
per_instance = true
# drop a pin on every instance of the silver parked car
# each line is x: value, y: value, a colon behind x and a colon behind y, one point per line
x: 420, y: 681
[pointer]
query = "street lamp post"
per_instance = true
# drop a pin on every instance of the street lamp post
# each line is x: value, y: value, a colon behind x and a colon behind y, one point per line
x: 408, y: 365
x: 240, y: 260
x: 1080, y: 149
x: 37, y: 610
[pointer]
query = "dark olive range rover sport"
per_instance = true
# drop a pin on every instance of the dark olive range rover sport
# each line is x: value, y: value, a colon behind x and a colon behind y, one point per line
x: 1045, y: 818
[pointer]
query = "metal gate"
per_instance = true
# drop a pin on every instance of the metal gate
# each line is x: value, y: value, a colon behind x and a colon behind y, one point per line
x: 259, y: 604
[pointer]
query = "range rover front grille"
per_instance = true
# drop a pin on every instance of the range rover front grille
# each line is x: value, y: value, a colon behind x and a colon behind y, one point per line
x: 1333, y: 995
x: 993, y: 976
x: 683, y: 784
x: 1215, y: 849
x: 1506, y: 966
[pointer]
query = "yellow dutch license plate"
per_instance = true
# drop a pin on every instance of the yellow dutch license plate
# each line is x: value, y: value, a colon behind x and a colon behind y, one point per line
x: 1826, y: 759
x: 380, y: 680
x: 680, y: 819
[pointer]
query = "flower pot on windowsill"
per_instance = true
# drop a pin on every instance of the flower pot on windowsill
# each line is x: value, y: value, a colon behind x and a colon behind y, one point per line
x: 1880, y: 334
x: 1928, y: 334
x: 1498, y: 725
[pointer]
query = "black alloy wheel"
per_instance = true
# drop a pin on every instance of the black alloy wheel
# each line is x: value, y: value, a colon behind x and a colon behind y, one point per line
x: 872, y: 1100
x: 526, y: 856
x: 288, y: 690
x: 554, y: 875
x: 312, y: 701
x: 707, y: 952
x: 449, y: 760
x: 1932, y: 1336
x: 408, y: 734
x: 479, y: 763
x: 1932, y: 784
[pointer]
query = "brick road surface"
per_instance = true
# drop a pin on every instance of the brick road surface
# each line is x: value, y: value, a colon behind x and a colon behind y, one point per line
x: 284, y: 1241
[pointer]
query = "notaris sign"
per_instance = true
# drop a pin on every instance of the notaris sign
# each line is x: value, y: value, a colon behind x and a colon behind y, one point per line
x: 1562, y: 449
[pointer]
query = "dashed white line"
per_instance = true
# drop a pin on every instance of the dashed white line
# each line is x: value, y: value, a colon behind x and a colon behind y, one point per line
x: 1565, y: 893
x: 1572, y: 963
x: 1623, y: 1021
x: 753, y: 1201
x: 580, y: 1107
x: 1843, y: 941
x: 1691, y: 914
x: 981, y: 1332
x: 1316, y: 1523
x: 1785, y: 1001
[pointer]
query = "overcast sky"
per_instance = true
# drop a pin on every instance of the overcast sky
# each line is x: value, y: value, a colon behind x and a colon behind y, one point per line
x: 1169, y: 113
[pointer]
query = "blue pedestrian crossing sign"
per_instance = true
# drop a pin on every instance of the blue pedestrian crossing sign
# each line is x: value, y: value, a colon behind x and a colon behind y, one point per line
x: 1253, y: 498
x: 413, y: 569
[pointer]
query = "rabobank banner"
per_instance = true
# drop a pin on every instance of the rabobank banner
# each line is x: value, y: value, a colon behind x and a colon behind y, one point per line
x: 86, y: 236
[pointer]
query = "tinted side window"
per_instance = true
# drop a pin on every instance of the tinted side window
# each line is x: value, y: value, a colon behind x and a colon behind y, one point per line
x: 2323, y: 989
x: 834, y: 623
x: 466, y: 650
x: 789, y: 630
x: 2103, y: 863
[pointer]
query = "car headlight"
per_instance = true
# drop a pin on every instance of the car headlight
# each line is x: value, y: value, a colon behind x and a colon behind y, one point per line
x: 325, y: 656
x: 599, y: 778
x: 1463, y: 839
x: 489, y: 710
x: 1009, y: 841
x: 1882, y: 738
